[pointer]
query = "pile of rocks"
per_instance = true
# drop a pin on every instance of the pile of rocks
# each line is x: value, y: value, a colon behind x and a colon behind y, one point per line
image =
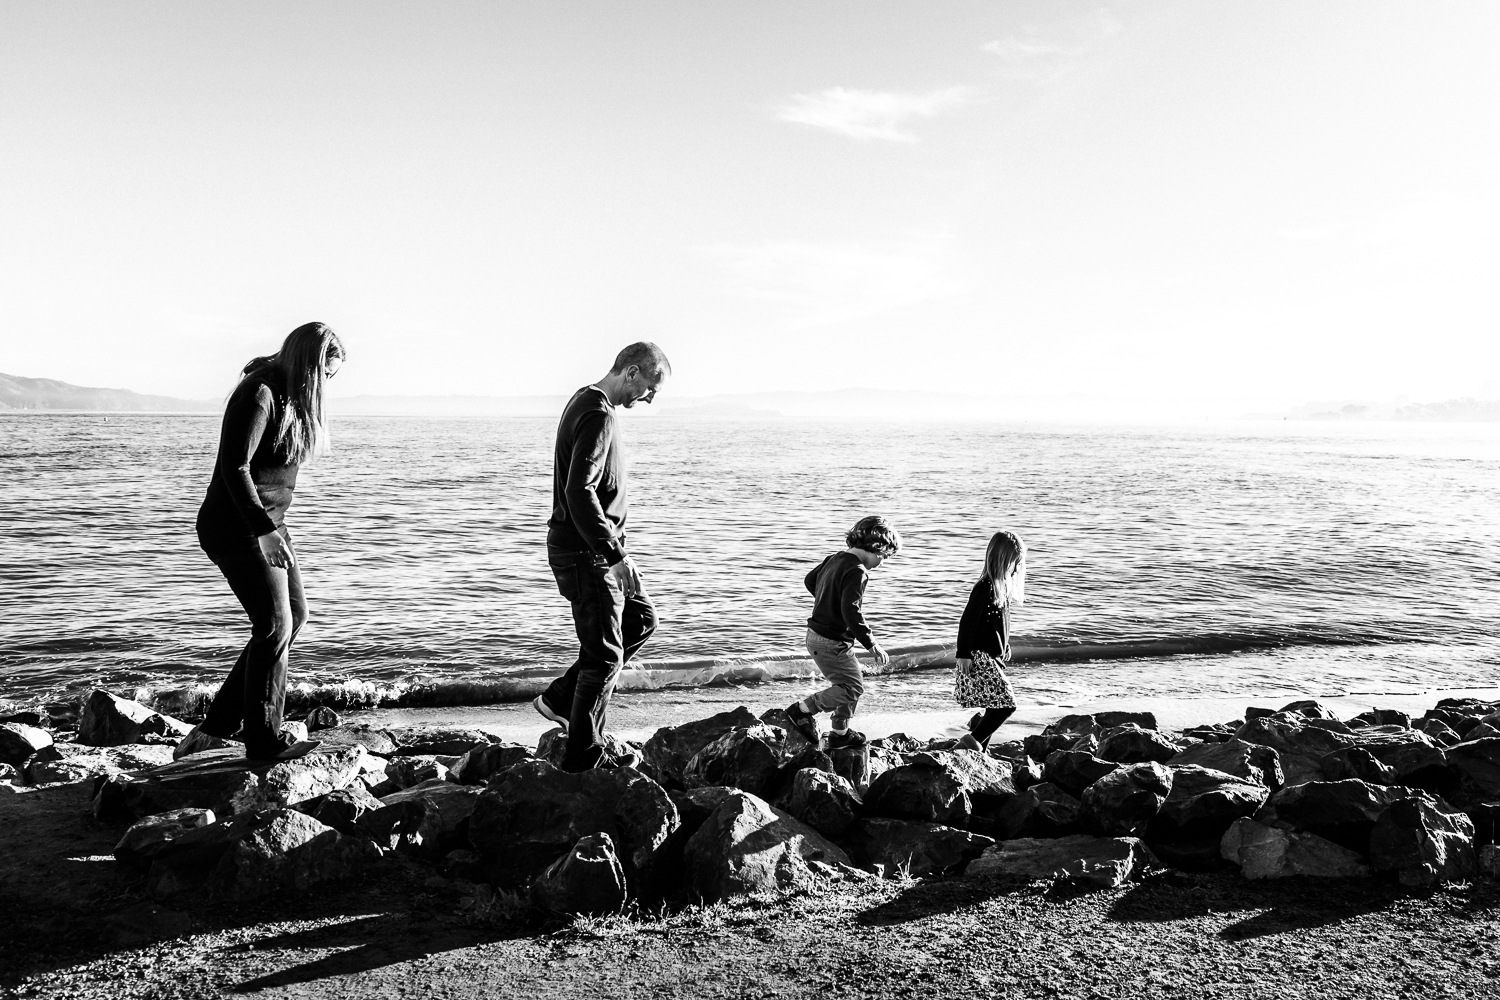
x: 737, y: 803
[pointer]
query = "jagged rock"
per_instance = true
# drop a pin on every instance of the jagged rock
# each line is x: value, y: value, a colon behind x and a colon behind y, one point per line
x: 1109, y: 720
x: 1384, y: 717
x: 1425, y: 842
x: 1202, y: 804
x: 432, y: 741
x: 777, y: 717
x: 895, y: 846
x: 1300, y: 745
x: 1212, y: 733
x: 1415, y: 757
x: 20, y: 742
x: 588, y: 879
x: 1478, y: 765
x: 148, y: 837
x: 289, y: 782
x: 1124, y: 802
x: 376, y: 741
x: 1073, y: 725
x: 532, y: 812
x: 1131, y: 744
x: 944, y: 787
x: 1075, y: 770
x: 428, y: 820
x: 1440, y: 731
x: 1308, y: 709
x: 1040, y: 746
x: 1090, y: 862
x: 854, y: 765
x: 108, y: 721
x: 1025, y: 772
x: 1042, y: 810
x: 825, y: 802
x: 1482, y: 731
x: 227, y: 783
x: 1267, y: 852
x: 342, y: 808
x: 1252, y: 761
x: 1461, y: 714
x: 322, y: 717
x: 900, y: 743
x: 1359, y: 763
x: 747, y: 845
x: 552, y: 746
x: 1341, y: 811
x: 478, y: 765
x: 695, y: 805
x: 410, y: 771
x: 748, y: 758
x: 254, y: 854
x: 1252, y: 713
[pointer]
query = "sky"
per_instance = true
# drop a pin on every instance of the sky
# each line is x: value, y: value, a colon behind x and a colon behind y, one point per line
x: 1198, y: 205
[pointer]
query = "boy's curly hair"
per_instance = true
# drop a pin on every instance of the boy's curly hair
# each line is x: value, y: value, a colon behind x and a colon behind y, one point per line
x: 874, y: 534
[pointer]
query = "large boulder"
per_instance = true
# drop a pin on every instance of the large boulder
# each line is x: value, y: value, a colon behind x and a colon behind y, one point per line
x: 108, y: 721
x: 1357, y: 762
x: 411, y: 770
x: 896, y: 846
x: 20, y: 742
x: 342, y: 808
x: 588, y: 880
x: 1042, y: 810
x: 1441, y: 733
x: 1461, y: 714
x: 1124, y: 802
x: 428, y: 820
x: 1264, y: 851
x: 1383, y: 717
x: 1088, y: 862
x: 748, y: 758
x: 1309, y: 709
x: 69, y: 762
x: 148, y: 837
x: 477, y: 766
x: 1341, y: 811
x: 945, y: 787
x: 1478, y: 765
x: 1415, y: 758
x: 1300, y: 745
x: 552, y: 746
x: 1425, y: 842
x: 1203, y: 802
x: 1075, y: 770
x: 695, y: 805
x: 254, y: 854
x: 531, y: 813
x: 376, y: 741
x: 747, y: 846
x: 289, y: 782
x: 1130, y: 744
x: 1253, y: 761
x: 436, y: 741
x: 825, y: 802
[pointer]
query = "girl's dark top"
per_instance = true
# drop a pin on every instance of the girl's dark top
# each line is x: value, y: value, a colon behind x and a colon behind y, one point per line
x: 252, y: 482
x: 838, y: 588
x: 985, y: 625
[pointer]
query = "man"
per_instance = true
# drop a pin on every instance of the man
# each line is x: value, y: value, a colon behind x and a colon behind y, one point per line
x: 586, y: 549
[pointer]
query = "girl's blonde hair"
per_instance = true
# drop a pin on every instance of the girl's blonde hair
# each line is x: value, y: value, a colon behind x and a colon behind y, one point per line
x: 1005, y: 568
x: 302, y: 366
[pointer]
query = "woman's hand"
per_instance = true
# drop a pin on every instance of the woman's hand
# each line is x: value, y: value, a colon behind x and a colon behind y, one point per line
x: 275, y: 550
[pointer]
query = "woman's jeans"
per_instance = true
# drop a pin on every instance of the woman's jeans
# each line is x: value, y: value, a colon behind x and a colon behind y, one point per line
x: 254, y: 694
x: 836, y: 660
x: 611, y: 629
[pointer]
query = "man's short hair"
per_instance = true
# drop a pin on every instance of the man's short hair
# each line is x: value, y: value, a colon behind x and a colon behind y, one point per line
x: 644, y: 355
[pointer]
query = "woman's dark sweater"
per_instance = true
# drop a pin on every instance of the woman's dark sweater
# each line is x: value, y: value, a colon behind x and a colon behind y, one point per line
x: 838, y: 588
x: 985, y: 625
x: 252, y: 482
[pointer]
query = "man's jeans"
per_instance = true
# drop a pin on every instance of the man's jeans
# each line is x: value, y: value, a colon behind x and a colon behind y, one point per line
x: 254, y: 693
x: 611, y: 629
x: 836, y: 660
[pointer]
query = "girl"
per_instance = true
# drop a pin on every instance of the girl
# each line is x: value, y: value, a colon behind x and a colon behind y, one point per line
x: 273, y: 423
x: 984, y: 636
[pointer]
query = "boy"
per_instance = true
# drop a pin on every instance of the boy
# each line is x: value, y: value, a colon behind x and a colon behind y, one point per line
x: 838, y: 589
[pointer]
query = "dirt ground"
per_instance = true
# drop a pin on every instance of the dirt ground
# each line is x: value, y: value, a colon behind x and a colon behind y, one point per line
x: 74, y: 923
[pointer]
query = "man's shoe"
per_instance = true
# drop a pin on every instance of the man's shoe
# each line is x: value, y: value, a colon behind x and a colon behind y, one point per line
x: 805, y: 723
x: 197, y: 741
x: 283, y: 750
x: 849, y: 739
x: 545, y: 711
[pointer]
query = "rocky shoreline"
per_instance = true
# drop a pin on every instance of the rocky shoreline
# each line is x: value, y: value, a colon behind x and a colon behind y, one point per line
x: 737, y: 804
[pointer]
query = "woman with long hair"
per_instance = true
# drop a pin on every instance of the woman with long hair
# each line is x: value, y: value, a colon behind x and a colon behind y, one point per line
x: 984, y: 636
x: 273, y: 422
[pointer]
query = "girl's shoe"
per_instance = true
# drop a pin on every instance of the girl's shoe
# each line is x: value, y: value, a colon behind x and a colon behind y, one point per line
x: 968, y: 742
x: 806, y: 722
x: 849, y: 739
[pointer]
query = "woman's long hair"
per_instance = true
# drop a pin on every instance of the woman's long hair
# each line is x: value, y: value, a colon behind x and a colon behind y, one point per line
x: 301, y: 365
x: 1005, y: 568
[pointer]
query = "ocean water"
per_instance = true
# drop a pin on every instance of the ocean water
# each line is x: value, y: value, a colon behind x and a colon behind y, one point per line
x: 1191, y: 561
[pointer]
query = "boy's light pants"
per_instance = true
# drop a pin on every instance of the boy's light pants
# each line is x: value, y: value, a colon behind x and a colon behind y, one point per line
x: 846, y: 684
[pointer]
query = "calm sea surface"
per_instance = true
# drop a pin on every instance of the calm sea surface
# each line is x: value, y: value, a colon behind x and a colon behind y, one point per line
x: 1323, y: 558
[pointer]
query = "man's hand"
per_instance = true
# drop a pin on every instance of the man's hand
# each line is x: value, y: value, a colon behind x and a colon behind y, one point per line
x: 881, y: 656
x: 275, y: 550
x: 627, y: 578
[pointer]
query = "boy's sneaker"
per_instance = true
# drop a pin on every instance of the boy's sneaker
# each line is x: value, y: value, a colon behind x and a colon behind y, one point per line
x: 806, y: 723
x: 545, y: 711
x: 849, y: 739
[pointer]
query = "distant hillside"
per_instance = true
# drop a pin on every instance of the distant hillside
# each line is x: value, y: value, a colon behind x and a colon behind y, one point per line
x: 17, y: 393
x: 1450, y: 410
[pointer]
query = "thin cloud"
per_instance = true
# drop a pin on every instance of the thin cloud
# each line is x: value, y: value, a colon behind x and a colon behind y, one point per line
x: 870, y: 114
x: 1044, y: 55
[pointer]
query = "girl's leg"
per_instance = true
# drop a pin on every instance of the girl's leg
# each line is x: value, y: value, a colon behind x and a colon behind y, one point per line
x: 984, y: 727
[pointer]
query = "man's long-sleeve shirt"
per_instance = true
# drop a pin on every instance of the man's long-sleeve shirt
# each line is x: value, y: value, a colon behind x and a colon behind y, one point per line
x: 588, y: 479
